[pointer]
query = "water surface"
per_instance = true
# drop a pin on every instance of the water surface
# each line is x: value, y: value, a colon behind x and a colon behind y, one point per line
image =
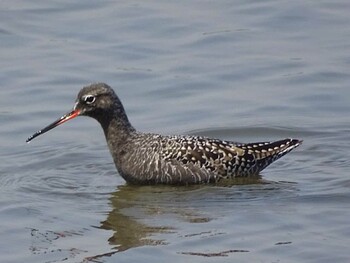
x: 236, y: 70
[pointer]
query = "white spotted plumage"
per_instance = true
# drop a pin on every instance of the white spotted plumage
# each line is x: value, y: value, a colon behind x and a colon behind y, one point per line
x: 191, y: 159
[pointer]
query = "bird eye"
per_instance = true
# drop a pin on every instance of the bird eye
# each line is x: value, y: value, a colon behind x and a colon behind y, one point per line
x: 89, y: 99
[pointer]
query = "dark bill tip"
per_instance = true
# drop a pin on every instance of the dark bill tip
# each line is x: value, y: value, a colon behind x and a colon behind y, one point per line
x: 63, y: 119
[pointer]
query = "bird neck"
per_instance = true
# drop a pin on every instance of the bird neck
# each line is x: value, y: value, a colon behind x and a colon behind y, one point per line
x: 116, y: 127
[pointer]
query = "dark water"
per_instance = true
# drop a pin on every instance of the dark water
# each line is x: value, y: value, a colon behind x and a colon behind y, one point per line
x: 238, y: 70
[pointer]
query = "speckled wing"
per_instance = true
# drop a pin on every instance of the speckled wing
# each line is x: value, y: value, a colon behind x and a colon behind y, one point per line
x: 159, y: 162
x: 216, y: 157
x: 193, y: 160
x: 265, y: 153
x: 222, y: 159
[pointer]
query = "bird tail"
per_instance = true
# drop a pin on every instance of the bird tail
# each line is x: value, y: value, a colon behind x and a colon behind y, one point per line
x: 268, y: 152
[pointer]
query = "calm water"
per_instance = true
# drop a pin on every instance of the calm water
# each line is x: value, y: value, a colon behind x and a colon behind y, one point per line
x: 237, y: 70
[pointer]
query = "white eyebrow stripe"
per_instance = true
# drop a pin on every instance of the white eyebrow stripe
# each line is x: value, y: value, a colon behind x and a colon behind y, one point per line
x: 75, y: 105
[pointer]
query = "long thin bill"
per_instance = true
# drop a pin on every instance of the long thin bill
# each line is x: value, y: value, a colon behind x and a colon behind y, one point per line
x: 63, y: 119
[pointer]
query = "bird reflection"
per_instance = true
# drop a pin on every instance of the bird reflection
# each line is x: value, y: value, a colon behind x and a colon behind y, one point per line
x: 136, y: 207
x: 126, y: 220
x: 143, y: 215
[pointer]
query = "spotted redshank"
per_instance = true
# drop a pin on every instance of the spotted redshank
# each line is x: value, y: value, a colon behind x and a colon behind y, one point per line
x: 143, y: 158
